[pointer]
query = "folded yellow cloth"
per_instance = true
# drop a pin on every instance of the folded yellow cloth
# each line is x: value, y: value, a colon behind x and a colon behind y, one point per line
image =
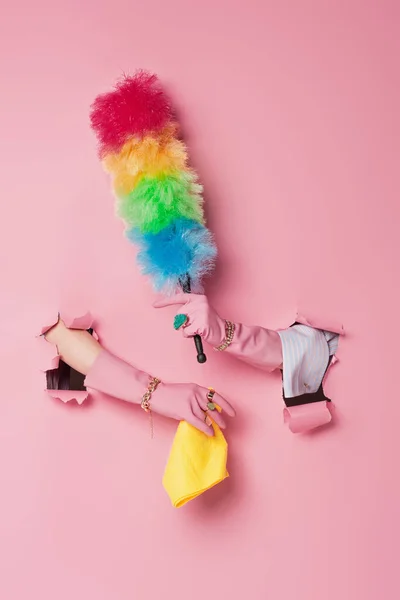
x: 196, y: 463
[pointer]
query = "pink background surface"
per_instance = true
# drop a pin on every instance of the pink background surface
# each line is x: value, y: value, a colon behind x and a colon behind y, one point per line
x: 291, y: 113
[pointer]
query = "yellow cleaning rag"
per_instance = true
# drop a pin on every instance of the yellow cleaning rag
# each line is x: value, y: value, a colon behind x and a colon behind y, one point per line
x: 196, y: 463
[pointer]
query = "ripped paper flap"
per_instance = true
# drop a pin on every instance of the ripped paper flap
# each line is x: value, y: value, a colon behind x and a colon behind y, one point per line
x: 48, y: 357
x: 68, y: 395
x: 305, y: 417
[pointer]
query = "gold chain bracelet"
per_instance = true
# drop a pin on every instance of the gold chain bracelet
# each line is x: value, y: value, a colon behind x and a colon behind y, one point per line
x: 145, y: 403
x: 229, y: 334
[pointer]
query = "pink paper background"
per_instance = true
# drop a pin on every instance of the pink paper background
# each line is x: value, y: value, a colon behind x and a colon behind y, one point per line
x: 291, y: 113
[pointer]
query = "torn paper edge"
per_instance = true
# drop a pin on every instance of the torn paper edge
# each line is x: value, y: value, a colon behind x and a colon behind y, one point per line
x: 332, y: 327
x: 306, y: 417
x: 67, y: 395
x: 85, y: 321
x: 49, y: 358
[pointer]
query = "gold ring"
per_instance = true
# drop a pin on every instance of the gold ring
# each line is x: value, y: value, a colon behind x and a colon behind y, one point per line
x: 210, y: 396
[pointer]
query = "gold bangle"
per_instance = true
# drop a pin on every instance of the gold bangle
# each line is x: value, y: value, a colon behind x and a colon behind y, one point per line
x: 145, y: 403
x: 229, y: 334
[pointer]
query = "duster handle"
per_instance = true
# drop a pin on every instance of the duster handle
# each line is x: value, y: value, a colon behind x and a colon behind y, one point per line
x: 198, y: 342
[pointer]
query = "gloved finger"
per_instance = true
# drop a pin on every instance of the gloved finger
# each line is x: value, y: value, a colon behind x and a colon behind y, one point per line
x: 190, y: 330
x: 199, y: 423
x: 173, y: 300
x: 200, y: 414
x: 224, y: 404
x: 213, y: 414
x: 217, y: 418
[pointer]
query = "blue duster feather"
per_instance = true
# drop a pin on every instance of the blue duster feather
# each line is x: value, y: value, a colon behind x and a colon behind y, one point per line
x: 185, y: 249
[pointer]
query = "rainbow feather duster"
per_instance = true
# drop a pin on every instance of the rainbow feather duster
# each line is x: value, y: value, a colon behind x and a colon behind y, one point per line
x: 158, y: 195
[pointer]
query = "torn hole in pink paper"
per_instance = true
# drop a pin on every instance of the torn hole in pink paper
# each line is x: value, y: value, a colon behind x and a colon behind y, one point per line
x: 63, y: 382
x: 311, y: 410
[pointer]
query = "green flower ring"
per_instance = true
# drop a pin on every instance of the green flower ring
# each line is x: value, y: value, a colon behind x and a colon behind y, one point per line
x: 180, y: 321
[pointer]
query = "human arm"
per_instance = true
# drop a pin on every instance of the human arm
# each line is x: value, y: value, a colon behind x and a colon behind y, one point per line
x: 255, y: 345
x: 113, y: 376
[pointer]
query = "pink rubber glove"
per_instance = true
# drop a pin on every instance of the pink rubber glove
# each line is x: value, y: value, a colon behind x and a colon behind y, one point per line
x: 261, y: 348
x: 256, y: 346
x: 180, y: 401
